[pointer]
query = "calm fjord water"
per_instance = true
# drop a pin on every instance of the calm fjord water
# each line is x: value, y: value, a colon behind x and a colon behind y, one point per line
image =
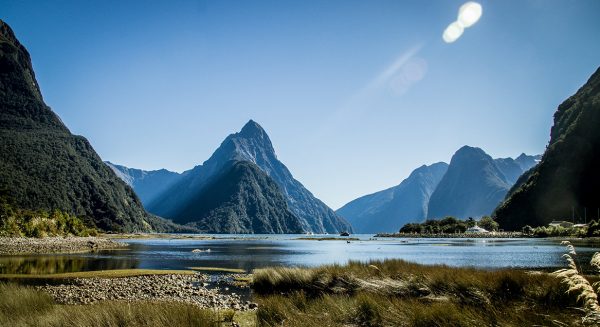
x: 255, y: 251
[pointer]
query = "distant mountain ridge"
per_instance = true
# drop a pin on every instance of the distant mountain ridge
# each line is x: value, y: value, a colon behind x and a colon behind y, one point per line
x: 147, y: 183
x: 473, y: 185
x: 253, y: 145
x: 44, y: 166
x: 389, y: 209
x: 567, y: 179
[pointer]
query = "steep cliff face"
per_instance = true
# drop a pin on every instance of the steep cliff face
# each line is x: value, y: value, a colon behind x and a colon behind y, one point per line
x: 472, y: 187
x: 388, y: 210
x: 251, y: 144
x: 567, y: 177
x: 44, y: 166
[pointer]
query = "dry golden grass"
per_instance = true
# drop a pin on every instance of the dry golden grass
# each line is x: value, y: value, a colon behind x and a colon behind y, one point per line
x: 587, y: 293
x: 218, y: 269
x: 399, y: 293
x: 25, y: 306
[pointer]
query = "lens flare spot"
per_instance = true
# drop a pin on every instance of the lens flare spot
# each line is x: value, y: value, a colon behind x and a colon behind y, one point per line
x: 411, y: 73
x: 453, y: 32
x: 469, y: 13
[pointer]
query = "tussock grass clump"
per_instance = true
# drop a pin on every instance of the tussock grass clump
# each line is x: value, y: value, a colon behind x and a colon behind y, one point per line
x: 587, y: 293
x: 280, y: 279
x: 399, y: 293
x: 19, y: 302
x: 25, y: 306
x: 368, y: 311
x: 400, y: 278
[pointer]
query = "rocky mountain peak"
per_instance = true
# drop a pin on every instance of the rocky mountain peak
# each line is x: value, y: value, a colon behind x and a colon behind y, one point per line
x: 522, y: 156
x: 15, y: 65
x: 468, y: 151
x: 251, y: 143
x: 252, y: 129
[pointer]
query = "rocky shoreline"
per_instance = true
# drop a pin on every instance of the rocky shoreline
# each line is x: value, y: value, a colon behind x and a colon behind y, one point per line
x: 50, y: 245
x: 458, y: 235
x: 191, y: 289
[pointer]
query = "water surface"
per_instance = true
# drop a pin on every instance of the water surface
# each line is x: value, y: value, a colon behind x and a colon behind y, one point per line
x: 255, y: 251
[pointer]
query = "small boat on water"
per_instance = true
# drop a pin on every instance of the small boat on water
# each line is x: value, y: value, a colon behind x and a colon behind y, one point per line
x: 344, y: 234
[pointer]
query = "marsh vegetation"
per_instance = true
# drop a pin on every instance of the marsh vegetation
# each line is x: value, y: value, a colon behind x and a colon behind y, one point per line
x: 26, y: 306
x: 398, y: 293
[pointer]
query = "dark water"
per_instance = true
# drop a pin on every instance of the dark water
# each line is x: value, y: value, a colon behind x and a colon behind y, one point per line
x: 255, y: 251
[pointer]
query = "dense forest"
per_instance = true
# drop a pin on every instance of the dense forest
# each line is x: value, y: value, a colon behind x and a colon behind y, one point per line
x: 45, y: 167
x: 567, y: 178
x: 449, y: 225
x: 241, y: 199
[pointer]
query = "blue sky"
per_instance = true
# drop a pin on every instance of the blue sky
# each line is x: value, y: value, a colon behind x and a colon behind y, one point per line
x: 159, y: 84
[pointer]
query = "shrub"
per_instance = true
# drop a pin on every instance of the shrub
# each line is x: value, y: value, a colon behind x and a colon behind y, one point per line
x: 411, y: 228
x: 593, y: 229
x: 488, y: 223
x: 19, y: 222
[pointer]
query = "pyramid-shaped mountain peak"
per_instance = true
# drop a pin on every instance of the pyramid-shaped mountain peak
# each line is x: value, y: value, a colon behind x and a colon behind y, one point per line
x: 252, y: 129
x: 251, y: 144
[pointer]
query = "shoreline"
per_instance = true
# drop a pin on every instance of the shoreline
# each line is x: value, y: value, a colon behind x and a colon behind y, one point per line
x: 461, y: 235
x: 10, y: 246
x: 195, y: 289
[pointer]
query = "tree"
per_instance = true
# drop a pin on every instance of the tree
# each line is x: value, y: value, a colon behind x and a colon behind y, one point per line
x: 488, y: 223
x: 411, y: 228
x: 527, y: 230
x: 470, y: 222
x: 593, y: 228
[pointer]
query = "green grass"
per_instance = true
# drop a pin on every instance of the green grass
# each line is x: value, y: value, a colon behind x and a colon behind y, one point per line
x: 25, y: 306
x: 398, y: 293
x: 218, y: 269
x: 117, y: 273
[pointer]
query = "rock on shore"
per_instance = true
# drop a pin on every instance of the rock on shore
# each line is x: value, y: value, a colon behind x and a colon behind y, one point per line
x: 23, y: 245
x: 165, y: 288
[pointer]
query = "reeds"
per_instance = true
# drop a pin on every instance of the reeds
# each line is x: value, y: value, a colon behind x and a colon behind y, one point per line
x: 587, y: 293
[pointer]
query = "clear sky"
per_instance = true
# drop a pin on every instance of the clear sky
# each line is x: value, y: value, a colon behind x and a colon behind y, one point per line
x: 354, y: 94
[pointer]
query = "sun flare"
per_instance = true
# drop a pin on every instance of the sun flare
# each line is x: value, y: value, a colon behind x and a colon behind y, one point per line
x: 468, y: 14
